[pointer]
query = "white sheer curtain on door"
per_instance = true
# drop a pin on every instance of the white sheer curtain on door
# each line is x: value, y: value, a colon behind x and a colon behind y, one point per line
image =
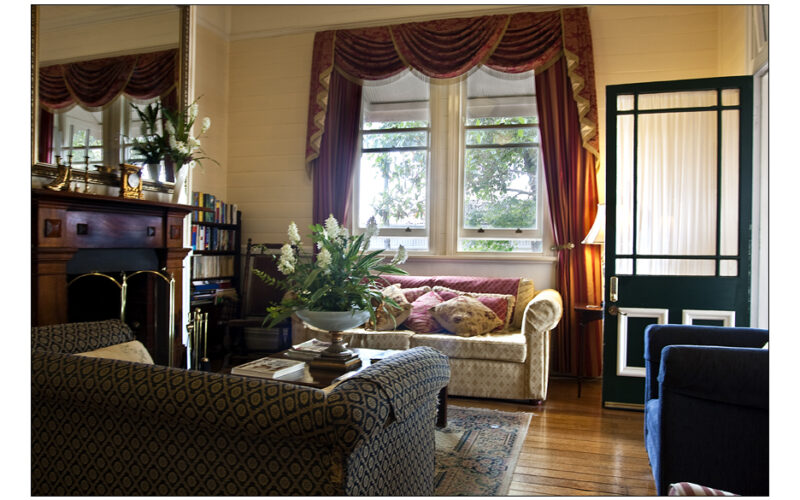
x: 676, y: 183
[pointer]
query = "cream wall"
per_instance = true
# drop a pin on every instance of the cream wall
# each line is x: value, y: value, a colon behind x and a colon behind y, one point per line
x: 211, y: 69
x: 270, y: 57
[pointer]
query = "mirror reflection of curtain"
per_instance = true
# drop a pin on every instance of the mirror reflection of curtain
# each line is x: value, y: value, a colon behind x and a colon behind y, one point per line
x: 676, y: 173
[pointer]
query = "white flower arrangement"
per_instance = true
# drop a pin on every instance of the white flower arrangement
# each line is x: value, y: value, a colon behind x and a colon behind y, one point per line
x: 342, y: 276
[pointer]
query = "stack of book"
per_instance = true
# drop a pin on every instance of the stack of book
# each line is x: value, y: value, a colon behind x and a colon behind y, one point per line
x: 312, y: 351
x: 213, y: 292
x: 268, y: 368
x: 224, y: 213
x: 308, y: 350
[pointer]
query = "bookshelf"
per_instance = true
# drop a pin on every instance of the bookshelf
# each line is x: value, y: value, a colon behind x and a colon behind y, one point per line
x: 216, y: 263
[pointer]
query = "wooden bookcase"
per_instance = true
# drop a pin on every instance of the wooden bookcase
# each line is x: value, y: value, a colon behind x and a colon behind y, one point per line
x: 216, y: 266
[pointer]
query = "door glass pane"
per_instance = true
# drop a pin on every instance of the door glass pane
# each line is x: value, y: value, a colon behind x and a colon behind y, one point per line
x: 729, y: 202
x: 730, y: 97
x: 624, y: 103
x: 729, y: 268
x: 677, y: 184
x: 624, y: 266
x: 678, y: 100
x: 624, y: 222
x: 676, y: 267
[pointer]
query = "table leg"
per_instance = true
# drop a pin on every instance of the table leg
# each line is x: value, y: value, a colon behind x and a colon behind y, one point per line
x: 441, y: 408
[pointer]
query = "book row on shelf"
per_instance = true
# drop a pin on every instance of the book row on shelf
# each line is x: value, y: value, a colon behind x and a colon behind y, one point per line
x: 211, y: 266
x: 213, y: 292
x: 213, y: 239
x: 224, y: 213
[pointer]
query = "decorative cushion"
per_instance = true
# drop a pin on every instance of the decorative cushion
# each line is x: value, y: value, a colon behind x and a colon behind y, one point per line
x: 525, y: 294
x: 133, y: 351
x: 420, y: 320
x: 695, y: 490
x: 465, y: 316
x: 413, y: 294
x: 501, y: 304
x: 387, y: 316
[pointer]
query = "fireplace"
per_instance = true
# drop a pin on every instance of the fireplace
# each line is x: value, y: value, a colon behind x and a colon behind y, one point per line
x: 84, y: 247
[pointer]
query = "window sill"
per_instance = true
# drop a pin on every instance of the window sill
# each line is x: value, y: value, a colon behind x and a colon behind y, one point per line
x: 518, y: 258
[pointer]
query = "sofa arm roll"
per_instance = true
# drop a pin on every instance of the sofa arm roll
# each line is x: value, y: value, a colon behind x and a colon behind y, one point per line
x: 544, y: 311
x: 394, y: 388
x: 210, y: 403
x: 85, y: 336
x: 730, y: 375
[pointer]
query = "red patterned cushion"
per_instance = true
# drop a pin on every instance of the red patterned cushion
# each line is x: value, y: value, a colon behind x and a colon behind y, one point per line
x: 421, y: 320
x: 409, y: 281
x: 696, y: 490
x: 480, y: 284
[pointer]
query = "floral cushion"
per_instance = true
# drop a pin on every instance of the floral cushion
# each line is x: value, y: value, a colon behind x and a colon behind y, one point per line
x: 466, y: 316
x: 420, y: 320
x: 133, y: 351
x: 501, y: 304
x: 387, y: 316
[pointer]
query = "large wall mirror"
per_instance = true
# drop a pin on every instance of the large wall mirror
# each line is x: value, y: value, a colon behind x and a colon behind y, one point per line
x: 76, y: 49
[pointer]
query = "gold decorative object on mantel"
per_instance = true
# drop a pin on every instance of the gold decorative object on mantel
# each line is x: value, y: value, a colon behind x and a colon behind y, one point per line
x: 63, y: 177
x: 130, y: 181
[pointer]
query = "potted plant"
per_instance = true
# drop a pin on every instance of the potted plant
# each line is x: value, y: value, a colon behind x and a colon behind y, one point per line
x: 337, y: 288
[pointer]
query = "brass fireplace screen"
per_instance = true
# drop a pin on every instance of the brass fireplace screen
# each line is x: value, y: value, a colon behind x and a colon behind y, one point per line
x: 123, y: 286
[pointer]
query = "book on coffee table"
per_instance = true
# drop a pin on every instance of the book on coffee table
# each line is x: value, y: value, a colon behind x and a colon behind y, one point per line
x: 308, y: 350
x: 268, y: 367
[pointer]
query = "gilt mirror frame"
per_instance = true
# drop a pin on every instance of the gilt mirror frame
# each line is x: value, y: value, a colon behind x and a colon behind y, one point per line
x: 47, y: 170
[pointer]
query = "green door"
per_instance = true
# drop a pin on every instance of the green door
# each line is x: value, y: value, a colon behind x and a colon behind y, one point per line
x: 678, y: 202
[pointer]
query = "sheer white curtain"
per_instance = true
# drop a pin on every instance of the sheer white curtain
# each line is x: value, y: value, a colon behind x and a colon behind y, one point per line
x: 676, y: 184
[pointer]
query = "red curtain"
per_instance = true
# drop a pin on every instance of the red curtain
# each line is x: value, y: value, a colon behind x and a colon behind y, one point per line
x: 572, y: 190
x: 333, y: 169
x: 95, y: 83
x: 509, y: 43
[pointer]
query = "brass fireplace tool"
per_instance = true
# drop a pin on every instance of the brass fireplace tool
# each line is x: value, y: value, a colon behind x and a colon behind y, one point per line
x: 198, y: 340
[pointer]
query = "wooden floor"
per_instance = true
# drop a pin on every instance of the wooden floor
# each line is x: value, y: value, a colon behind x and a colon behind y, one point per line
x: 575, y: 446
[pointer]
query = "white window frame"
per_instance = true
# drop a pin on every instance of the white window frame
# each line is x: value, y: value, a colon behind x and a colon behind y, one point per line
x: 445, y: 177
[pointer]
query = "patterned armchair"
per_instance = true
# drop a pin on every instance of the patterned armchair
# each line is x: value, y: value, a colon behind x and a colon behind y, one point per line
x: 111, y: 427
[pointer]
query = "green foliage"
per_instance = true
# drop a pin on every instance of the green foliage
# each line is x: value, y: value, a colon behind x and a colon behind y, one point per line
x: 150, y: 146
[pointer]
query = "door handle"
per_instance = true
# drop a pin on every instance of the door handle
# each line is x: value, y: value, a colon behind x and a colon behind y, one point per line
x: 614, y: 310
x: 613, y: 289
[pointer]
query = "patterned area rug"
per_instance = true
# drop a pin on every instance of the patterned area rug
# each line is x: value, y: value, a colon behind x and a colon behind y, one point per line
x: 477, y: 452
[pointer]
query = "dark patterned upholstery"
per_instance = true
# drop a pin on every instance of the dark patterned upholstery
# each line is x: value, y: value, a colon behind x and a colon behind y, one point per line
x: 80, y: 337
x: 107, y: 427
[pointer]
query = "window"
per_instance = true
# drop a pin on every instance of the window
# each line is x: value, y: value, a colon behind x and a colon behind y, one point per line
x: 452, y: 168
x: 392, y: 178
x: 500, y: 208
x: 106, y: 130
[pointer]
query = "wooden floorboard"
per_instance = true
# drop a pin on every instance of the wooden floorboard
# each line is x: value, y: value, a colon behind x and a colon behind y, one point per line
x: 575, y: 447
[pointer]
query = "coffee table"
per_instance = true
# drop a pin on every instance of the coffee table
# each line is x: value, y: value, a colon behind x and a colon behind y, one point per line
x: 327, y: 379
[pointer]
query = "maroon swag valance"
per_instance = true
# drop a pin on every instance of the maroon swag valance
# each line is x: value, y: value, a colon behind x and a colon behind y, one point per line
x: 511, y: 43
x: 93, y: 84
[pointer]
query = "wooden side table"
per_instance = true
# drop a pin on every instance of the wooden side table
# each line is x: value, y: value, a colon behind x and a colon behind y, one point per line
x: 586, y: 313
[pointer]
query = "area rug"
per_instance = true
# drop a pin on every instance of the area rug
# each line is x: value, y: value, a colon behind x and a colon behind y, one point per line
x: 477, y: 452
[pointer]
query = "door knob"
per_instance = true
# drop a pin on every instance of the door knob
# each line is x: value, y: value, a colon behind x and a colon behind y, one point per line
x: 614, y: 310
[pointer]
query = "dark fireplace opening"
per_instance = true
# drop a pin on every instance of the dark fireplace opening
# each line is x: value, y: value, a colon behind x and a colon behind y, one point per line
x: 95, y: 277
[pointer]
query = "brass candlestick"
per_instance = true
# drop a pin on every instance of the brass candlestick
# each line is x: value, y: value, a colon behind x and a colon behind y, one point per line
x: 86, y: 177
x: 63, y: 176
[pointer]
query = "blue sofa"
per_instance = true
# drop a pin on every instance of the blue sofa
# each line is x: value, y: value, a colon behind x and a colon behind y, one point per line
x: 707, y: 407
x: 121, y: 428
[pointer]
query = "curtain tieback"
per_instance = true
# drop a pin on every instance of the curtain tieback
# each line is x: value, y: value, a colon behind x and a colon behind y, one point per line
x: 566, y: 246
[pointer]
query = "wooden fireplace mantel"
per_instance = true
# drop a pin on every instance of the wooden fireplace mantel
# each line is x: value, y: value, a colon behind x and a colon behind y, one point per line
x: 64, y: 222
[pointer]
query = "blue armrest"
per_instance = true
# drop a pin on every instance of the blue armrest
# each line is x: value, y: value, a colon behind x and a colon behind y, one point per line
x: 657, y: 337
x: 731, y: 375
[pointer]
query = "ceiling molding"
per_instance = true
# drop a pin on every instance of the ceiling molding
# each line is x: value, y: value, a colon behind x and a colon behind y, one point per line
x: 268, y: 33
x: 54, y: 18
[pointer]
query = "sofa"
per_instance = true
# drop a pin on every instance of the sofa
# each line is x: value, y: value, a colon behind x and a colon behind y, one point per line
x: 510, y: 362
x: 118, y: 427
x: 707, y: 407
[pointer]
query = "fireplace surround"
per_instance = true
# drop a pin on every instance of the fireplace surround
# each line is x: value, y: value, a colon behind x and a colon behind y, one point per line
x: 75, y: 233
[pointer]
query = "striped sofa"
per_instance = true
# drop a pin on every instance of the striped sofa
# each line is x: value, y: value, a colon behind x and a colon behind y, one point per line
x: 508, y: 364
x: 120, y: 428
